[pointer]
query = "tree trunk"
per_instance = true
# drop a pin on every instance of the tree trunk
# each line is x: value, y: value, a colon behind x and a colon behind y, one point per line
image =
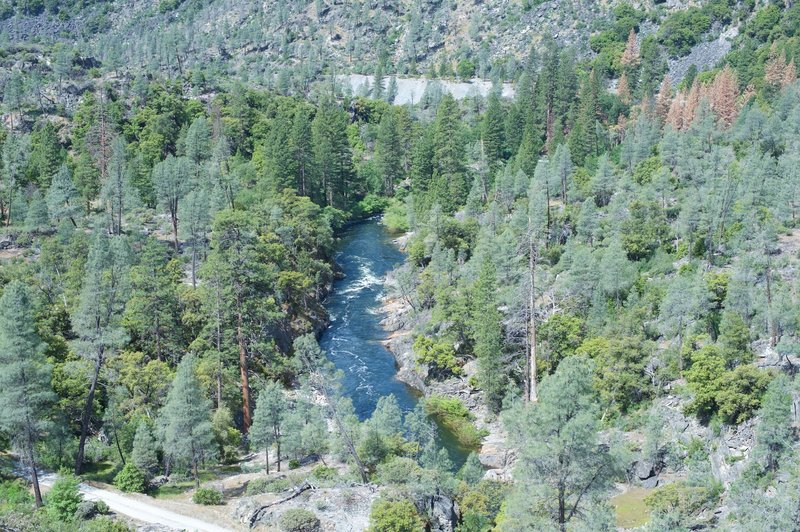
x: 246, y: 414
x: 532, y: 377
x: 175, y: 228
x: 87, y: 411
x: 266, y: 457
x: 37, y: 492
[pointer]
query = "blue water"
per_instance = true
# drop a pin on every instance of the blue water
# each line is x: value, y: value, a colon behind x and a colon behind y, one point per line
x: 353, y: 339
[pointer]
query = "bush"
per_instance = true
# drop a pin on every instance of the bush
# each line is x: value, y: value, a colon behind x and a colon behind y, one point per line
x: 267, y: 485
x: 63, y: 498
x: 88, y: 509
x: 395, y: 216
x: 452, y: 413
x: 298, y: 520
x: 394, y: 516
x: 440, y: 355
x: 14, y: 493
x: 294, y: 464
x: 325, y: 473
x: 130, y: 479
x: 399, y: 470
x: 207, y: 496
x: 105, y: 524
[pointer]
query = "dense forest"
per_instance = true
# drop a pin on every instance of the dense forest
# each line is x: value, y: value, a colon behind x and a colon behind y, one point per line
x: 600, y: 276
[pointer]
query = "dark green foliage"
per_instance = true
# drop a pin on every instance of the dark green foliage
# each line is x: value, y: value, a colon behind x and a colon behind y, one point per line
x: 298, y: 520
x: 394, y: 516
x: 454, y: 415
x: 735, y: 395
x: 130, y: 478
x: 63, y: 498
x: 207, y: 496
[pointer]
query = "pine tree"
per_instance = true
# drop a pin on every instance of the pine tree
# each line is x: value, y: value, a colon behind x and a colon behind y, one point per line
x: 16, y: 152
x: 25, y: 392
x: 62, y: 197
x: 152, y: 313
x: 116, y: 191
x: 492, y: 132
x: 302, y: 152
x: 604, y: 181
x: 616, y: 271
x: 238, y: 292
x: 36, y: 219
x: 268, y: 419
x: 172, y: 179
x: 630, y: 56
x: 198, y: 141
x: 724, y: 97
x: 186, y: 432
x: 449, y: 186
x: 96, y: 321
x: 332, y: 156
x: 195, y: 227
x: 560, y: 457
x: 486, y: 327
x: 389, y: 152
x: 664, y: 99
x: 143, y: 454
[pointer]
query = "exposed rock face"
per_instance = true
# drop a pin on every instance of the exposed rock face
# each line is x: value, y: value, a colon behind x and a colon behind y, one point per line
x: 732, y: 454
x: 442, y: 511
x: 704, y: 55
x: 341, y: 509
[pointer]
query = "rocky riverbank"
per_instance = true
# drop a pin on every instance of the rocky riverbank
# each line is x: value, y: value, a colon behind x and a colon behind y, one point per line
x: 399, y: 321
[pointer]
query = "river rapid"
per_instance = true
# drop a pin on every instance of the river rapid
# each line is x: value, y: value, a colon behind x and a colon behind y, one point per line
x: 353, y: 341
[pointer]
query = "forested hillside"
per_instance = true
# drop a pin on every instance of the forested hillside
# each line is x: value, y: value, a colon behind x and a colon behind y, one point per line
x: 598, y: 304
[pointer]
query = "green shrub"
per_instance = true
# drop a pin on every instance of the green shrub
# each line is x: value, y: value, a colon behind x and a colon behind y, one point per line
x: 452, y: 413
x: 324, y: 472
x: 680, y: 497
x: 298, y: 520
x: 294, y: 464
x: 63, y: 498
x: 130, y: 479
x: 394, y: 516
x: 399, y: 470
x: 14, y: 493
x: 267, y: 485
x: 207, y: 496
x: 439, y: 354
x: 395, y: 216
x: 105, y: 524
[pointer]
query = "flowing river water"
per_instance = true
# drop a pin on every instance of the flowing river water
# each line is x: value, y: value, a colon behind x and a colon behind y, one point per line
x: 354, y: 339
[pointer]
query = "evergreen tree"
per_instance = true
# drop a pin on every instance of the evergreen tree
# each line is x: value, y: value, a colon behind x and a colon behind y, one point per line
x: 62, y: 197
x: 492, y: 132
x: 303, y: 152
x: 198, y: 141
x: 172, y: 179
x: 96, y: 321
x: 486, y: 326
x: 268, y: 419
x: 186, y: 432
x: 152, y: 313
x: 332, y: 156
x: 36, y: 219
x: 561, y: 458
x: 448, y: 183
x: 389, y: 152
x: 116, y: 191
x: 616, y: 271
x: 143, y: 455
x: 25, y: 392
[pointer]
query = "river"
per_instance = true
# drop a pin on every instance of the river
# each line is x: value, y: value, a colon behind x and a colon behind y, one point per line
x: 353, y: 341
